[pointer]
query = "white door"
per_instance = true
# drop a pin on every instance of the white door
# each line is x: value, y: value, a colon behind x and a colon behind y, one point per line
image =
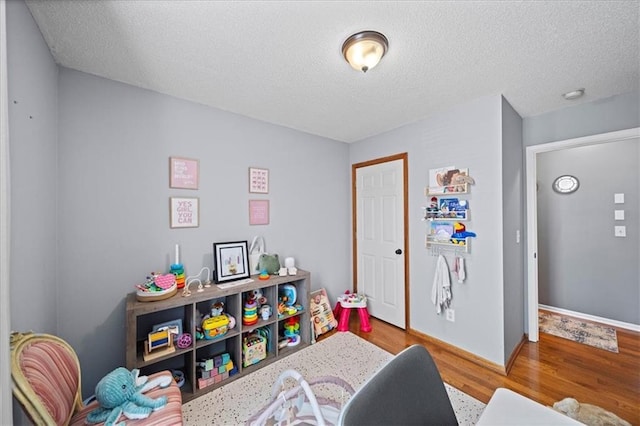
x: 380, y: 241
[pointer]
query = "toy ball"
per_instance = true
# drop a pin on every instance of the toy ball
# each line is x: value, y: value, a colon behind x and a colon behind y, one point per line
x: 184, y: 341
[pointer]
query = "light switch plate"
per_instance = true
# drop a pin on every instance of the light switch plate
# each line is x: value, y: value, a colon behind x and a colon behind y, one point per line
x: 620, y: 231
x: 618, y: 214
x: 618, y: 198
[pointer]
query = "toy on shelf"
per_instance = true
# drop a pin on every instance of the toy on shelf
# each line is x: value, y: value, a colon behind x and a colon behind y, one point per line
x: 215, y: 370
x: 264, y: 275
x: 217, y: 323
x: 287, y: 297
x: 292, y: 331
x: 156, y: 287
x: 185, y: 341
x: 186, y: 291
x: 178, y: 270
x: 460, y: 234
x: 254, y: 349
x: 159, y: 343
x: 250, y: 310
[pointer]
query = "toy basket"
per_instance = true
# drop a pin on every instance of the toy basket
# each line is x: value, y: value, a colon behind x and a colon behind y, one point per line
x: 299, y: 405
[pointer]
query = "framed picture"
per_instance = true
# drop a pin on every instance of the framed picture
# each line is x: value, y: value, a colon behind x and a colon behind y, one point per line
x: 258, y: 212
x: 258, y: 180
x: 184, y: 212
x: 175, y: 324
x: 183, y: 173
x: 230, y: 261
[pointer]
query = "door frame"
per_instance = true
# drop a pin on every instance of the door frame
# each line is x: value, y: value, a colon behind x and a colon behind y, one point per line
x: 405, y: 216
x: 532, y: 216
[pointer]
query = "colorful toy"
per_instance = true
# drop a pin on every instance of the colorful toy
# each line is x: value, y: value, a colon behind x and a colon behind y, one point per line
x: 156, y: 287
x: 178, y: 271
x: 215, y: 326
x: 264, y: 275
x: 184, y: 341
x: 214, y: 370
x: 292, y: 331
x: 254, y: 349
x: 156, y: 340
x: 250, y: 311
x: 460, y: 234
x: 121, y: 392
x: 321, y: 313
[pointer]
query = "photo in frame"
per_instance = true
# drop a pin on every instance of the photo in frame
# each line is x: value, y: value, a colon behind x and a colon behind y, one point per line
x: 184, y: 212
x: 258, y: 212
x: 258, y: 180
x: 183, y: 173
x: 230, y: 261
x: 176, y: 324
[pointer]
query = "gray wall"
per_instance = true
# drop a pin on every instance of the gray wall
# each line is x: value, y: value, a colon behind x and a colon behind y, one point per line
x: 468, y: 135
x: 599, y: 116
x: 32, y: 90
x: 513, y: 227
x: 582, y: 266
x: 114, y: 144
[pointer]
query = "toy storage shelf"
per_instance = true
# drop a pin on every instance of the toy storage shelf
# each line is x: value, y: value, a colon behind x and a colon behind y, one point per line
x: 141, y: 316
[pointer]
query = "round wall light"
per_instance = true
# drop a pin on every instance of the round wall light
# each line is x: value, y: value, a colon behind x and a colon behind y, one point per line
x: 566, y: 184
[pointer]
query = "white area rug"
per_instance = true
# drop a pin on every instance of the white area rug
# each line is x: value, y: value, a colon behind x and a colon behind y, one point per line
x: 343, y: 355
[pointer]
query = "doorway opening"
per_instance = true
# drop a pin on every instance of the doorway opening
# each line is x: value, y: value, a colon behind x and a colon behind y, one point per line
x: 532, y: 205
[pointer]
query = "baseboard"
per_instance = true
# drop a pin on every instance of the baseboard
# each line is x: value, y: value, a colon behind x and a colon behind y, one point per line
x: 461, y: 352
x: 607, y: 321
x: 515, y: 353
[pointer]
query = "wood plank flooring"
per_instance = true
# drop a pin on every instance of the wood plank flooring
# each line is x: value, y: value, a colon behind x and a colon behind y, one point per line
x: 546, y: 371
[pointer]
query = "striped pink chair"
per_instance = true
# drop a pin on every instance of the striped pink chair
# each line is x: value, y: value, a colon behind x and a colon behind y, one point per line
x: 46, y: 382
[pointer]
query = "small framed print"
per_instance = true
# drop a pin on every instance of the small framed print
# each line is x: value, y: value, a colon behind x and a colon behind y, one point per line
x: 258, y: 212
x: 184, y: 212
x: 231, y: 261
x: 258, y: 180
x: 183, y: 173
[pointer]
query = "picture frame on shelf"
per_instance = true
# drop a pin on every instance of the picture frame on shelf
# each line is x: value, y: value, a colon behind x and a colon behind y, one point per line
x: 184, y: 212
x: 174, y: 324
x: 183, y: 173
x: 230, y: 261
x: 258, y: 180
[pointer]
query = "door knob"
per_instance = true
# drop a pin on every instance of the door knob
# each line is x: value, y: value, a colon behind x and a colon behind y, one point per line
x: 398, y: 251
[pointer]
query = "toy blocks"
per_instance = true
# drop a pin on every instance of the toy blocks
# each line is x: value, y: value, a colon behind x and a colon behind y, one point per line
x: 214, y: 370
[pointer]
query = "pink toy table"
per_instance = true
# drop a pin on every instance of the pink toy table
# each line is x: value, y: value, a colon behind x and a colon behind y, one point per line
x: 342, y: 311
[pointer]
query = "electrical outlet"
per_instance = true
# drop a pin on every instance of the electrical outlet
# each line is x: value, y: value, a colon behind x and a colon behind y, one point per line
x: 450, y: 315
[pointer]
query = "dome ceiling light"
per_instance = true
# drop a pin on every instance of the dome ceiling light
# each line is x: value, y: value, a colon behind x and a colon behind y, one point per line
x: 364, y: 50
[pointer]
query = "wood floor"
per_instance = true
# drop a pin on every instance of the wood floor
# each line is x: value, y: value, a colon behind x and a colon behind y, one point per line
x: 546, y: 371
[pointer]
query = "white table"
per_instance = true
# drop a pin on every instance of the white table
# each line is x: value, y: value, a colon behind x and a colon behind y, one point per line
x: 509, y: 408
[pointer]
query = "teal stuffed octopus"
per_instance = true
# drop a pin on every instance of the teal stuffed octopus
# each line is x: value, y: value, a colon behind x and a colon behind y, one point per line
x: 121, y: 392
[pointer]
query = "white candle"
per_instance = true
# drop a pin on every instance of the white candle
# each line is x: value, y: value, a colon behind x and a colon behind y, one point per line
x: 177, y: 254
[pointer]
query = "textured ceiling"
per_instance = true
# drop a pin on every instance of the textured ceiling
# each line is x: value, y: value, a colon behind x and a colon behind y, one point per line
x: 281, y: 61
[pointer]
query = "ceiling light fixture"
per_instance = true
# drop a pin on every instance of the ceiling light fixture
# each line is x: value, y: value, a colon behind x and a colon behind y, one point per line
x: 364, y: 50
x: 574, y: 94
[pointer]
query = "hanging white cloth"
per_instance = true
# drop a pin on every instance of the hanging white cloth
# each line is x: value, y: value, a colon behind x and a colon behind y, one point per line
x: 441, y: 290
x: 459, y: 268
